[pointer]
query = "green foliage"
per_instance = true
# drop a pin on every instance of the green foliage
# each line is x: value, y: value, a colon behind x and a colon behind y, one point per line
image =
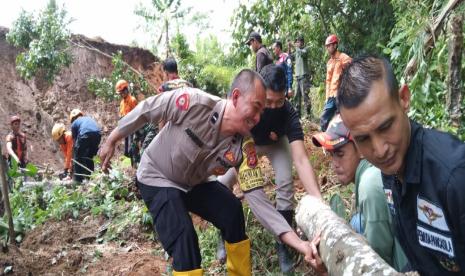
x: 105, y: 87
x: 315, y: 20
x: 429, y: 83
x: 45, y: 42
x: 208, y: 68
x: 164, y: 13
x: 111, y: 196
x: 15, y: 171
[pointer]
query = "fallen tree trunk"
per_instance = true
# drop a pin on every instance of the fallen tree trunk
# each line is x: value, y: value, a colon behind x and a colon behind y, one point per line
x: 342, y: 250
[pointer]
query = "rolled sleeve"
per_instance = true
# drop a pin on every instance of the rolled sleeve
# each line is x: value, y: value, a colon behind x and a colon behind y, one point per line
x: 266, y: 213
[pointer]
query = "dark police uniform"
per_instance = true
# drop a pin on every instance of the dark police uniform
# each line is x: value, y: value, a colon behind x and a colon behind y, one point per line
x: 429, y: 207
x: 173, y: 175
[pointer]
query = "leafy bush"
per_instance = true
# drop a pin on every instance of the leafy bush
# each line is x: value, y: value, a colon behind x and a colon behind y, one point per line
x: 207, y: 68
x: 45, y: 42
x: 105, y: 87
x: 428, y: 85
x: 111, y: 196
x: 216, y: 79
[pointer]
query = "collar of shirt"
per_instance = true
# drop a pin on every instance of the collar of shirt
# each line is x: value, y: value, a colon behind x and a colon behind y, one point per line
x: 214, y: 120
x: 414, y: 154
x: 336, y: 56
x: 413, y: 158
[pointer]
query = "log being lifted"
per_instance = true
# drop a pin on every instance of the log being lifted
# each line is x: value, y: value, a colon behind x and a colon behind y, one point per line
x: 342, y: 250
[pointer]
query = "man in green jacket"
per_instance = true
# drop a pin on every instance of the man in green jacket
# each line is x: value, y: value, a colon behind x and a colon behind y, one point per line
x: 302, y: 75
x: 372, y: 219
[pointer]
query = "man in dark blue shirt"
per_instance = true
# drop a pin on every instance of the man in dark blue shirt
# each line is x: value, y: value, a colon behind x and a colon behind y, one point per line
x: 86, y: 139
x: 423, y: 169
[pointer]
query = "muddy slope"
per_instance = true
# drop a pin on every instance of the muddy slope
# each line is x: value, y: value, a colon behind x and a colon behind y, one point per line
x: 41, y: 104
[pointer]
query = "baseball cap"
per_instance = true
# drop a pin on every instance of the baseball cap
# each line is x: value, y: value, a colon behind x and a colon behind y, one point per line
x: 254, y: 35
x: 335, y: 136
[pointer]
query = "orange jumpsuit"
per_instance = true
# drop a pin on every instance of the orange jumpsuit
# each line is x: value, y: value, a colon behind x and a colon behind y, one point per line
x: 127, y: 104
x: 334, y: 69
x: 67, y: 149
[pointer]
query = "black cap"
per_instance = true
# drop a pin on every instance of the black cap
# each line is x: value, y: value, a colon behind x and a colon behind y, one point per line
x: 254, y: 35
x: 170, y: 65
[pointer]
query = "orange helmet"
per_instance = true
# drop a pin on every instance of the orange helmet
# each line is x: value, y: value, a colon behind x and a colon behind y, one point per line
x: 331, y: 39
x: 14, y: 119
x: 121, y: 85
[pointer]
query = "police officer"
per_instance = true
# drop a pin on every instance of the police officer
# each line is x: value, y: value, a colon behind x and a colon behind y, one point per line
x: 202, y: 137
x: 279, y: 136
x: 423, y: 169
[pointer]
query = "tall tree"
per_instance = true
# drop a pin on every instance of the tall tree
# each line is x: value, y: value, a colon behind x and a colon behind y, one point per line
x: 165, y: 13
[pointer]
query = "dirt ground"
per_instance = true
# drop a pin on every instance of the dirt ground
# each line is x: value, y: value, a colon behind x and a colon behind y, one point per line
x: 71, y: 248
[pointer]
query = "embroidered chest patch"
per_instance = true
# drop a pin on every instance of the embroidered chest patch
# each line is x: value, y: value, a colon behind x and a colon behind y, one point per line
x: 431, y: 214
x: 435, y: 241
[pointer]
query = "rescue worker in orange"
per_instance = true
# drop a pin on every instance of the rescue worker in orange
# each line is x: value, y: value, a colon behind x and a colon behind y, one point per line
x: 65, y: 139
x: 128, y: 102
x: 336, y: 63
x: 16, y: 143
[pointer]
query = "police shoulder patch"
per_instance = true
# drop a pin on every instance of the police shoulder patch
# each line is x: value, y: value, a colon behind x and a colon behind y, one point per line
x: 182, y: 102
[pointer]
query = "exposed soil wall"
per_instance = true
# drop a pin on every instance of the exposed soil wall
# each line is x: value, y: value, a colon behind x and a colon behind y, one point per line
x: 40, y: 104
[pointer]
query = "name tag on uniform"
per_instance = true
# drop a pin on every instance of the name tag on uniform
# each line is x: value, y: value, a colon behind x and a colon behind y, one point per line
x: 435, y: 241
x: 431, y: 214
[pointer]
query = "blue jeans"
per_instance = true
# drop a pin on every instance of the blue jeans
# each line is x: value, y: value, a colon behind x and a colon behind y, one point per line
x: 356, y: 223
x: 328, y: 112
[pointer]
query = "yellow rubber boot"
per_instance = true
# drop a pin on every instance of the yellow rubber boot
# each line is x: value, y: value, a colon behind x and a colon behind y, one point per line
x: 195, y: 272
x: 238, y: 258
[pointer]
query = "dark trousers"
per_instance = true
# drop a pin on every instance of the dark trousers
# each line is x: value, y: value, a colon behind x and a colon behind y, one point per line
x: 303, y: 88
x: 84, y: 149
x: 128, y: 140
x: 170, y: 209
x: 328, y: 112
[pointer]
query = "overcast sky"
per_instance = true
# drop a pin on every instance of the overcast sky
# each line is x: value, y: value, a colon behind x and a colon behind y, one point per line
x: 115, y: 21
